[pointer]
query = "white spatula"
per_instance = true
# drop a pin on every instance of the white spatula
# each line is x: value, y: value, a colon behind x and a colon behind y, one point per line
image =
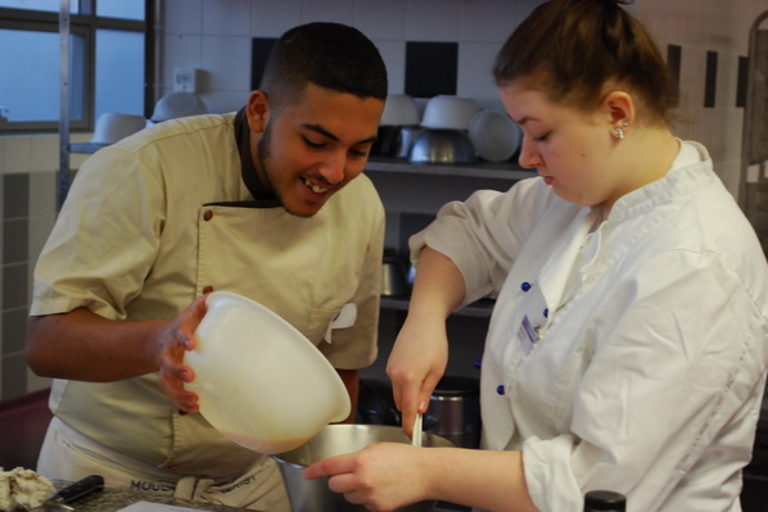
x: 416, y: 436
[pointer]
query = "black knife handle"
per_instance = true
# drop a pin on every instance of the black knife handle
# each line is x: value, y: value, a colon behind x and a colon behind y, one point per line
x: 79, y: 489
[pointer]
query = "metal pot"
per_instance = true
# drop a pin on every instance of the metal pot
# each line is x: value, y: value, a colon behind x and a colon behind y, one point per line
x: 314, y: 495
x: 442, y: 146
x: 454, y: 411
x: 393, y: 280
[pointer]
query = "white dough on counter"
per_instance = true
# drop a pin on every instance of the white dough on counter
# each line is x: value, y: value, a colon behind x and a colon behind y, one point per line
x: 23, y: 488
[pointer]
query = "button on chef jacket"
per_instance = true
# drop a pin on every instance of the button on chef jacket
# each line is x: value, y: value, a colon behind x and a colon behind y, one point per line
x: 646, y: 373
x: 153, y: 221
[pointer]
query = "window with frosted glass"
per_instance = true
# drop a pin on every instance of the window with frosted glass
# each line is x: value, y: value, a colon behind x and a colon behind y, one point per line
x: 126, y: 9
x: 39, y: 5
x: 29, y: 76
x: 119, y: 72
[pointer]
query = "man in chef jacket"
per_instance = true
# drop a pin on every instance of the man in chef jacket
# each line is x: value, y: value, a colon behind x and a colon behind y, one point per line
x: 268, y: 202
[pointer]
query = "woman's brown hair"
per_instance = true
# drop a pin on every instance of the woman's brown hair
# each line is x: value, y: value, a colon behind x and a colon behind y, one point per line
x: 571, y: 49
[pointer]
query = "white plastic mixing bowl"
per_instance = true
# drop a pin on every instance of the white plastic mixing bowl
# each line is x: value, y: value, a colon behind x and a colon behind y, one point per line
x: 261, y: 383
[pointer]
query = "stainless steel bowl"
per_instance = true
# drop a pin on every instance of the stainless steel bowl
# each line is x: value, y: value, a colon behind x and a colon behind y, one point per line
x: 442, y: 146
x: 314, y: 495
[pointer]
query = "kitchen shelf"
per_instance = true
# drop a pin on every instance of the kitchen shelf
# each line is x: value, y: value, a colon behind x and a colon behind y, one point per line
x: 478, y: 309
x: 504, y: 170
x: 86, y: 147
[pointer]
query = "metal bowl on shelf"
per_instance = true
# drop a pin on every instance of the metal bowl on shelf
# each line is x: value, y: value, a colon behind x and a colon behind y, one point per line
x: 442, y: 146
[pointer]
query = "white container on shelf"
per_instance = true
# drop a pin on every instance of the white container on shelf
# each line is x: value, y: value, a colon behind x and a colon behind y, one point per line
x: 447, y: 112
x: 495, y: 136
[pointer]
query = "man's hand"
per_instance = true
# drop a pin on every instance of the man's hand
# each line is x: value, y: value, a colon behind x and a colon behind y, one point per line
x: 171, y: 344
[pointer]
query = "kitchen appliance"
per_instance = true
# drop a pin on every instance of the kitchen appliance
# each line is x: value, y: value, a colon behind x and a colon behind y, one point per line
x: 314, y: 495
x: 454, y: 411
x: 261, y: 383
x: 445, y: 146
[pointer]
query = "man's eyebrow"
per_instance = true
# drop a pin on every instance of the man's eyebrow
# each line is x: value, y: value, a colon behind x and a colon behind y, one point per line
x: 322, y: 131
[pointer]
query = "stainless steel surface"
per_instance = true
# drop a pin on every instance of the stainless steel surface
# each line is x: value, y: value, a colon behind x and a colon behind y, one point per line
x: 405, y: 140
x: 454, y: 411
x: 442, y: 146
x: 393, y: 282
x: 314, y: 495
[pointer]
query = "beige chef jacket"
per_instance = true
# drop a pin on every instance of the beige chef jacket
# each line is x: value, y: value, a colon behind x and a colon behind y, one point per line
x: 152, y: 222
x: 630, y: 356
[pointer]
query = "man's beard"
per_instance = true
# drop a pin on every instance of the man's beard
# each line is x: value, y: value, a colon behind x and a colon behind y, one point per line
x: 263, y: 153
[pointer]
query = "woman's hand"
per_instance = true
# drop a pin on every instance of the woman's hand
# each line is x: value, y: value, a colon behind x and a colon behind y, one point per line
x: 415, y: 366
x: 382, y: 476
x: 170, y: 344
x: 418, y: 359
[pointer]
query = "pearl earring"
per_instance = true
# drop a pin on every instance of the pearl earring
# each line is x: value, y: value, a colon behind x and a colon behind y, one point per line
x: 619, y: 132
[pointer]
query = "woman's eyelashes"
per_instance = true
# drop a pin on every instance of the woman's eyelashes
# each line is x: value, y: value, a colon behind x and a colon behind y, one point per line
x: 542, y: 138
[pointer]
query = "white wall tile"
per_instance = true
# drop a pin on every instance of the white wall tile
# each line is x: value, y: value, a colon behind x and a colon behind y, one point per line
x: 182, y: 17
x: 227, y: 63
x: 475, y: 78
x: 271, y: 18
x: 380, y: 20
x: 338, y: 11
x: 433, y: 20
x: 523, y: 8
x: 393, y: 54
x: 42, y: 194
x: 727, y: 79
x: 692, y: 74
x: 16, y: 153
x: 488, y: 20
x: 36, y: 383
x: 180, y: 51
x: 730, y: 174
x: 45, y: 155
x: 40, y: 227
x: 227, y: 17
x: 220, y: 102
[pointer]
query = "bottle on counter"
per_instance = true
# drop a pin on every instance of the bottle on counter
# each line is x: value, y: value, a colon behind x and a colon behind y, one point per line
x: 602, y: 501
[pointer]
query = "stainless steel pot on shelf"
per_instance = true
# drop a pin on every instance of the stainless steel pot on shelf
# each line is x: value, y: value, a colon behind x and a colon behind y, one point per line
x: 454, y: 411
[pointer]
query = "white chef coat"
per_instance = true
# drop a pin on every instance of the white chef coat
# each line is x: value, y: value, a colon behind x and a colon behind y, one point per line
x: 628, y: 356
x: 149, y: 225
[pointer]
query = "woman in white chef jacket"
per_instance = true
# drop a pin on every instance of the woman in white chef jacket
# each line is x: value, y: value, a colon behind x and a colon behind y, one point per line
x: 627, y: 348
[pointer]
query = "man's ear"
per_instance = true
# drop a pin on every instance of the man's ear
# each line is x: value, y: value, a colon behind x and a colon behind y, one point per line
x: 257, y: 111
x: 620, y: 108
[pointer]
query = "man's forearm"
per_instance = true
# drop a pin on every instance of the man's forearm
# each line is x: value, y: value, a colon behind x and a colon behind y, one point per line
x: 81, y: 345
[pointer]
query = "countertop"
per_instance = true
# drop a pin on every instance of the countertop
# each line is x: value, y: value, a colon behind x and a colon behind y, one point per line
x: 112, y: 500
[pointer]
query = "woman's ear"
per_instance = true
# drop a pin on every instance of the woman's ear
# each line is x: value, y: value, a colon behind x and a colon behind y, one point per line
x: 620, y: 108
x: 257, y: 111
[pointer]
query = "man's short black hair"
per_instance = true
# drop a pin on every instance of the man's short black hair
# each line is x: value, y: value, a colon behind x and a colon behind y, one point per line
x: 330, y: 55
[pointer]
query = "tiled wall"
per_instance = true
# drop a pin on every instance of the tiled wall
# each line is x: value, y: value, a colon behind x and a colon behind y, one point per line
x: 215, y: 36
